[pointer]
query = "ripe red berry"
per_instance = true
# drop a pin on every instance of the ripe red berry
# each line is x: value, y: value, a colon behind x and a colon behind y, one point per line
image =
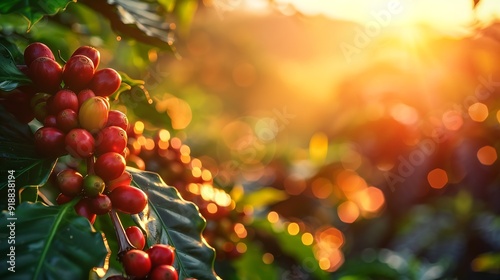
x: 82, y: 208
x: 164, y: 272
x: 136, y: 263
x: 79, y: 143
x: 128, y: 199
x: 117, y: 118
x: 105, y: 82
x: 124, y: 180
x: 62, y: 199
x: 36, y: 50
x: 93, y: 185
x: 77, y: 72
x: 49, y: 142
x: 50, y: 121
x: 46, y: 74
x: 83, y: 95
x: 70, y: 182
x: 63, y: 99
x: 136, y: 237
x: 89, y: 52
x: 109, y: 166
x: 67, y: 120
x: 110, y: 139
x: 100, y: 204
x: 161, y: 254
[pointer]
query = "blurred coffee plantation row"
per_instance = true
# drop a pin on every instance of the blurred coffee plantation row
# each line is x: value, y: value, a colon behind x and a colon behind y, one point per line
x: 315, y: 147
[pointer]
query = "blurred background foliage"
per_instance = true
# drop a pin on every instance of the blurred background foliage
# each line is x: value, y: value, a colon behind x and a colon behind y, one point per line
x: 354, y: 143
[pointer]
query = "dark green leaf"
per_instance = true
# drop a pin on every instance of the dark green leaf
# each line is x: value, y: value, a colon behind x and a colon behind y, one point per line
x: 17, y: 153
x: 17, y: 55
x: 51, y: 243
x: 10, y: 76
x: 33, y: 10
x: 169, y: 219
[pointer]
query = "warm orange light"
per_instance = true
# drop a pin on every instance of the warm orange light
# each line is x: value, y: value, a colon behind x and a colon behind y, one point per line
x: 453, y: 120
x: 487, y: 155
x: 329, y: 238
x: 150, y: 144
x: 307, y: 239
x: 370, y: 199
x: 240, y: 230
x: 241, y: 247
x: 478, y: 112
x: 273, y: 217
x: 206, y: 175
x: 164, y: 135
x: 138, y: 127
x: 318, y: 147
x: 348, y: 212
x: 293, y: 228
x: 437, y: 178
x: 350, y: 181
x: 268, y: 258
x: 212, y: 208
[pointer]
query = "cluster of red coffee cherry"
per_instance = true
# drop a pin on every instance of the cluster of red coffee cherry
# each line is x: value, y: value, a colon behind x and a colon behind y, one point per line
x: 72, y: 104
x: 156, y: 263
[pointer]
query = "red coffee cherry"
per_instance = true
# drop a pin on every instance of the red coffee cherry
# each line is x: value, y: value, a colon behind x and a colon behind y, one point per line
x: 78, y: 72
x: 163, y: 272
x: 136, y: 263
x: 128, y: 199
x: 62, y: 199
x: 161, y: 254
x: 63, y: 99
x: 136, y: 237
x: 82, y: 208
x: 67, y: 120
x: 49, y: 141
x: 79, y: 143
x: 50, y: 121
x: 110, y: 139
x: 89, y: 52
x: 117, y: 118
x: 100, y: 204
x: 70, y: 182
x: 109, y: 166
x: 124, y: 180
x: 46, y: 74
x: 93, y: 185
x: 83, y: 95
x: 36, y: 50
x: 105, y: 82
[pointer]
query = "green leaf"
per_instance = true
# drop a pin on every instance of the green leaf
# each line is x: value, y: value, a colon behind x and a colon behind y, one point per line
x: 251, y: 267
x: 17, y: 153
x: 170, y: 219
x: 17, y: 55
x: 50, y: 243
x: 33, y: 10
x: 264, y: 197
x: 292, y: 245
x: 10, y: 76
